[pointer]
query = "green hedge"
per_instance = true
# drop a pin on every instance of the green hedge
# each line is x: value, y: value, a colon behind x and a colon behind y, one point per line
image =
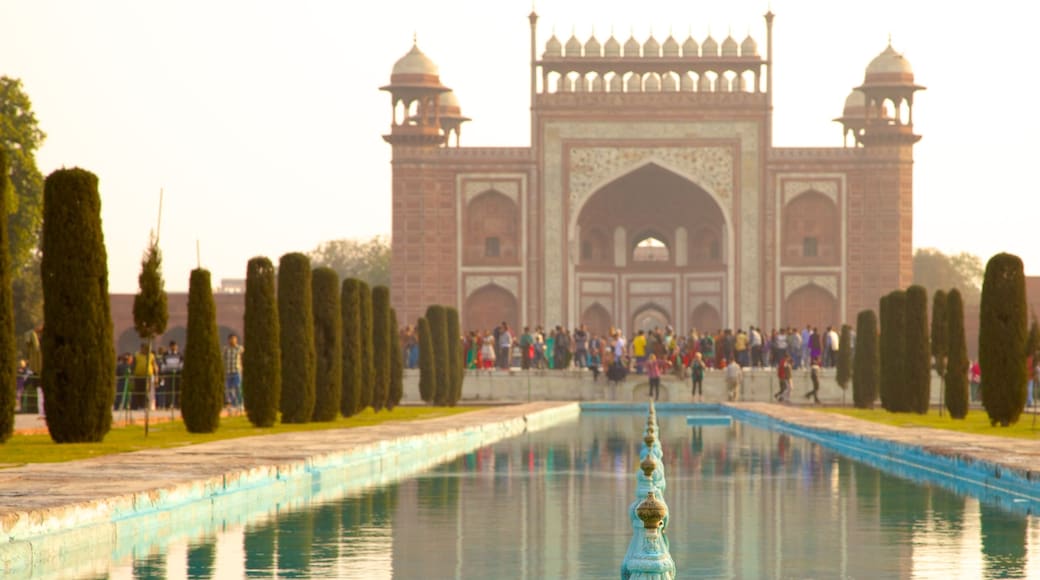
x: 296, y: 337
x: 396, y: 365
x: 367, y: 348
x: 427, y: 362
x: 844, y: 371
x: 202, y: 378
x: 865, y: 375
x: 940, y: 338
x: 328, y: 344
x: 893, y: 350
x: 8, y: 350
x: 918, y: 355
x: 79, y: 359
x: 438, y: 318
x: 382, y: 336
x: 262, y: 353
x: 957, y: 365
x: 456, y: 360
x: 350, y: 403
x: 1003, y: 328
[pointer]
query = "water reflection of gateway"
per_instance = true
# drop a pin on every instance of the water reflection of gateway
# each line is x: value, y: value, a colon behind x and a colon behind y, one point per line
x: 652, y: 193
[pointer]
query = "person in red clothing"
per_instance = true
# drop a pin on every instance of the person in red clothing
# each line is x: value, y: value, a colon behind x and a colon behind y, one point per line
x: 653, y: 372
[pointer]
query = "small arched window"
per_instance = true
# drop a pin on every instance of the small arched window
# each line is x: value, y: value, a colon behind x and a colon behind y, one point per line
x: 651, y: 249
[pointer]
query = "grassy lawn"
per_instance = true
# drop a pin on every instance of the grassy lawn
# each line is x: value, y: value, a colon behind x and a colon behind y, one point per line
x: 977, y: 421
x: 21, y: 449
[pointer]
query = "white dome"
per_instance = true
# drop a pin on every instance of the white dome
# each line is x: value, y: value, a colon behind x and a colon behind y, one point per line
x: 651, y: 47
x: 749, y: 47
x: 612, y: 48
x: 729, y: 47
x: 592, y: 47
x: 573, y: 47
x: 553, y: 48
x: 890, y: 62
x: 710, y: 48
x: 415, y: 62
x: 670, y: 47
x: 631, y: 47
x: 854, y: 103
x: 690, y: 48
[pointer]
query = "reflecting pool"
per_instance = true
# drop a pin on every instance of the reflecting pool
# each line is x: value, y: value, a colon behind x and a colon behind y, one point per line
x: 745, y: 503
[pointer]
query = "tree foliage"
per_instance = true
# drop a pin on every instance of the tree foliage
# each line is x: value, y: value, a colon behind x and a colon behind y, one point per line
x: 917, y: 356
x: 1033, y: 340
x: 940, y: 339
x: 956, y: 378
x: 894, y: 395
x: 1002, y: 339
x: 262, y: 353
x: 382, y: 336
x: 20, y: 137
x: 844, y: 370
x: 350, y: 404
x: 8, y: 351
x: 456, y: 360
x: 202, y: 378
x: 78, y: 356
x: 367, y: 351
x: 438, y: 319
x: 935, y: 270
x: 427, y: 362
x: 150, y: 304
x: 865, y: 376
x: 366, y: 260
x: 328, y: 344
x: 396, y: 365
x: 296, y: 318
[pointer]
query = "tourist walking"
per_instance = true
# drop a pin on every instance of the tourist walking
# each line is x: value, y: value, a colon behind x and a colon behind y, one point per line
x: 697, y: 376
x: 783, y: 372
x: 653, y: 372
x: 814, y: 375
x: 734, y: 377
x: 233, y: 373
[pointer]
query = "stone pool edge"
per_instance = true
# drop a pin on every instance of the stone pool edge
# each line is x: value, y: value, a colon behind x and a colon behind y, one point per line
x: 385, y: 457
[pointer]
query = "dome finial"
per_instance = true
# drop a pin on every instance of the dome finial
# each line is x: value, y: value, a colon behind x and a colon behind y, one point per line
x: 415, y: 38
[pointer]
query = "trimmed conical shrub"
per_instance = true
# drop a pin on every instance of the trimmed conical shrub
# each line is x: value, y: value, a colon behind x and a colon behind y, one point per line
x: 427, y: 362
x: 956, y: 380
x: 8, y: 351
x: 79, y: 359
x: 1003, y: 328
x: 350, y: 304
x: 202, y: 379
x: 367, y: 350
x: 455, y: 357
x: 381, y: 354
x: 396, y: 365
x: 844, y: 370
x: 917, y: 356
x: 150, y: 303
x: 296, y: 318
x: 865, y: 376
x: 262, y: 353
x: 894, y: 397
x: 940, y: 339
x: 438, y: 318
x: 328, y: 344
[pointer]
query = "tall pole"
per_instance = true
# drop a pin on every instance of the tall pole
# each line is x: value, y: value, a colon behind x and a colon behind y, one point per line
x: 769, y: 78
x: 533, y: 18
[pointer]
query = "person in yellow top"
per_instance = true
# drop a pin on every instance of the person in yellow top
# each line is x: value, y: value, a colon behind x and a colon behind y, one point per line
x: 740, y: 346
x: 639, y: 350
x: 145, y: 369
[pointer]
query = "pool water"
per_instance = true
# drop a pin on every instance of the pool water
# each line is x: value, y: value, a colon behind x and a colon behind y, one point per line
x: 745, y: 503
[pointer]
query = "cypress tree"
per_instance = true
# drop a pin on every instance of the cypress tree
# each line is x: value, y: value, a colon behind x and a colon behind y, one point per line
x: 1002, y: 339
x: 866, y: 375
x: 382, y: 336
x: 328, y: 344
x: 1033, y: 342
x: 893, y: 349
x: 427, y: 362
x: 917, y: 355
x: 8, y: 392
x: 296, y: 337
x: 940, y: 339
x: 437, y: 317
x: 956, y: 378
x: 367, y: 348
x: 844, y: 370
x: 150, y: 303
x: 455, y: 356
x: 396, y: 365
x: 350, y: 402
x: 79, y: 359
x: 884, y: 387
x: 202, y: 379
x: 262, y: 353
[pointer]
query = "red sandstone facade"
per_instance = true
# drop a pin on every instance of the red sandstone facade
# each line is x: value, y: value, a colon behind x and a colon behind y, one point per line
x: 651, y: 194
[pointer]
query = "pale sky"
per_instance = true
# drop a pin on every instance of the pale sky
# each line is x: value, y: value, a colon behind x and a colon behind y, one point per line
x: 262, y: 120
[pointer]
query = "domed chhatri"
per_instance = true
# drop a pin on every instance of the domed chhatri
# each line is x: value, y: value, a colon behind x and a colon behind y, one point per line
x: 573, y: 48
x: 748, y: 48
x: 592, y: 47
x: 651, y: 48
x: 553, y: 48
x: 729, y: 48
x: 889, y: 67
x: 670, y: 48
x: 854, y: 104
x: 612, y: 48
x: 414, y: 62
x: 690, y: 48
x: 651, y: 511
x: 632, y: 47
